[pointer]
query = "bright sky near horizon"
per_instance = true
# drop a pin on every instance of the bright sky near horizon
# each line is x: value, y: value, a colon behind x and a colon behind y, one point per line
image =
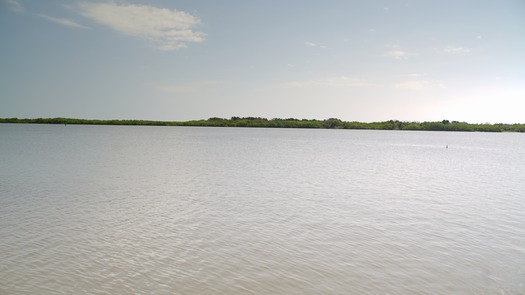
x: 367, y: 60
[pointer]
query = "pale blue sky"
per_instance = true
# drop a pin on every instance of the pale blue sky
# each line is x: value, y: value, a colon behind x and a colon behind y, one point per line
x: 412, y: 60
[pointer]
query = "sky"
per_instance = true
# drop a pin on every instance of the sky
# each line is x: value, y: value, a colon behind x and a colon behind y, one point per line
x: 179, y: 60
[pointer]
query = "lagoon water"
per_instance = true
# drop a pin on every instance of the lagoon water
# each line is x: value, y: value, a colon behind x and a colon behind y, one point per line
x: 189, y: 210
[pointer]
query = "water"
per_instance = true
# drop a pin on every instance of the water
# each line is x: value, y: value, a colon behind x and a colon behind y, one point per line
x: 174, y: 210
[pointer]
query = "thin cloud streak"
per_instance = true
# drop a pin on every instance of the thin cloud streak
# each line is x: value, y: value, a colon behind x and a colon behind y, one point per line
x: 329, y: 82
x: 15, y: 5
x: 417, y: 85
x: 63, y: 21
x: 396, y: 52
x: 167, y: 29
x: 413, y: 84
x: 314, y: 45
x: 456, y: 50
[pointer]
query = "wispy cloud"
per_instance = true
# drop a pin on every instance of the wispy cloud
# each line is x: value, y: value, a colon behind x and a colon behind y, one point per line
x: 456, y: 50
x: 418, y: 85
x: 397, y: 54
x: 413, y: 75
x: 341, y: 81
x: 15, y: 5
x: 314, y: 45
x: 167, y: 29
x: 411, y: 82
x: 395, y: 51
x: 63, y: 21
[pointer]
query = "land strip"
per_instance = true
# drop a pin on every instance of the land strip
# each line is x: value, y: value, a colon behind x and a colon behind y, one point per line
x: 332, y: 123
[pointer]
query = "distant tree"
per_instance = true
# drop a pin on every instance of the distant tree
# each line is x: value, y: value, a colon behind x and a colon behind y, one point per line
x: 333, y: 123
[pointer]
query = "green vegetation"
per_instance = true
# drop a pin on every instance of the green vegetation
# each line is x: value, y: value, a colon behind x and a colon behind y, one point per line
x: 331, y: 123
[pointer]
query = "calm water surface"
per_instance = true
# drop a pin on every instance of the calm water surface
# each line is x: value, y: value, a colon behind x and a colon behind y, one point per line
x: 174, y: 210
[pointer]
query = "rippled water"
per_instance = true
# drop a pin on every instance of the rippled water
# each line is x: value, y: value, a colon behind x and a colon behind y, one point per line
x: 173, y: 210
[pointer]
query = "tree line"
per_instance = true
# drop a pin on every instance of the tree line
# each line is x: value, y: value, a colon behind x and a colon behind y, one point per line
x: 332, y: 123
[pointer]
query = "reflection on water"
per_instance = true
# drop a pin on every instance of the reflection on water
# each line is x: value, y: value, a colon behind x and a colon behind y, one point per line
x: 124, y: 210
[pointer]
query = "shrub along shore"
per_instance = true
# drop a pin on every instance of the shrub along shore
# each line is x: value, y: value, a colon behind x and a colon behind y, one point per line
x: 331, y: 123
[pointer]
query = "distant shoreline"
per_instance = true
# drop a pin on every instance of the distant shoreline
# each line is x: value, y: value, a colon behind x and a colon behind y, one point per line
x: 331, y: 123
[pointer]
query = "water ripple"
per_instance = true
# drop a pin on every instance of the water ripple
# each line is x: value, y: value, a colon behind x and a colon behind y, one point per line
x: 255, y: 211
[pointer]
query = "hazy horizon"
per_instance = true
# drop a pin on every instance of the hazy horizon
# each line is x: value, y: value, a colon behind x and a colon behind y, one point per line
x: 362, y: 61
